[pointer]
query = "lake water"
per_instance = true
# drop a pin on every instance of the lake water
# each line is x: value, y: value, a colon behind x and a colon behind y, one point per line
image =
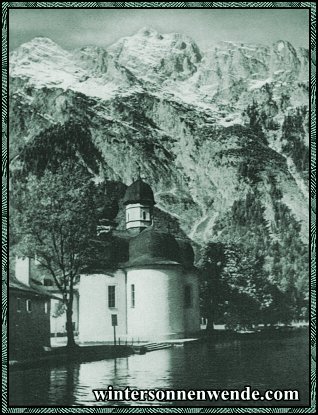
x: 262, y: 364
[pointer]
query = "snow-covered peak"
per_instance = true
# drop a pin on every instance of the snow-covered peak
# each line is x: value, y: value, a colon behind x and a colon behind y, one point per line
x: 43, y: 63
x: 40, y: 41
x: 154, y: 56
x: 168, y: 63
x: 147, y: 31
x: 39, y: 50
x: 92, y: 58
x: 283, y: 46
x: 40, y: 47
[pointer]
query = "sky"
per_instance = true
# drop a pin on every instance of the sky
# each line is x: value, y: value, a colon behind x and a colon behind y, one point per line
x: 72, y: 28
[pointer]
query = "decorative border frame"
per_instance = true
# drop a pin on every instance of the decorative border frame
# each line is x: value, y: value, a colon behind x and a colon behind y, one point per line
x: 311, y: 6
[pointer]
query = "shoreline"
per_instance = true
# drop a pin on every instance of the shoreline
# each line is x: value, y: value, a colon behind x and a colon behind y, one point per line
x: 57, y: 356
x: 80, y: 354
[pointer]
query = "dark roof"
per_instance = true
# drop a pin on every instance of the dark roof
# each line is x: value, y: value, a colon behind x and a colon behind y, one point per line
x: 186, y: 252
x: 149, y: 247
x: 35, y: 290
x: 152, y: 247
x: 139, y: 191
x: 107, y: 251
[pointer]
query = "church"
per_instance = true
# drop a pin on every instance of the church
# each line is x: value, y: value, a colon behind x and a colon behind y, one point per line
x: 153, y: 294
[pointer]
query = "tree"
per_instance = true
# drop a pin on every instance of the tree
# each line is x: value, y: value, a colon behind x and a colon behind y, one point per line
x: 211, y: 265
x: 235, y: 289
x: 69, y: 141
x: 54, y: 217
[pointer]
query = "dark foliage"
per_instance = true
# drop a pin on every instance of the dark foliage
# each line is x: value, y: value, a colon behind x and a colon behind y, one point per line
x: 68, y: 142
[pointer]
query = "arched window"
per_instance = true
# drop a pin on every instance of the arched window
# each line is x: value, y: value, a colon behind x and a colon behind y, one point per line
x: 28, y: 306
x: 111, y: 296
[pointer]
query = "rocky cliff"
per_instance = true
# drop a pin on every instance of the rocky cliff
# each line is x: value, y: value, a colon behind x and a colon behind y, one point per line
x: 220, y: 134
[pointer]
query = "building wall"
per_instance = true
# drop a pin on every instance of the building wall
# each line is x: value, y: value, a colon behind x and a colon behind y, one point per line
x: 94, y: 313
x: 28, y: 331
x: 23, y: 269
x: 192, y: 313
x: 58, y: 324
x: 158, y: 311
x: 138, y: 215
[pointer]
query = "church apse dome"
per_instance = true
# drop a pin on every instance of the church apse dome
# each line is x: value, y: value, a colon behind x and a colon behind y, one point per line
x: 186, y: 253
x: 152, y: 247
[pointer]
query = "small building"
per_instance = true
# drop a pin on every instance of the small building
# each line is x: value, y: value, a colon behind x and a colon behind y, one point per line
x: 29, y: 319
x: 28, y: 272
x: 153, y: 294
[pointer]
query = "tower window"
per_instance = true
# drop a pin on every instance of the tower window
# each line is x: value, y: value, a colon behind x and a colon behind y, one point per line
x: 188, y: 296
x: 111, y: 296
x: 132, y: 295
x: 19, y: 305
x: 144, y: 215
x: 28, y: 306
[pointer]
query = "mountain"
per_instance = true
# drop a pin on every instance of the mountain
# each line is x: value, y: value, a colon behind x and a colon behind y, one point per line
x: 220, y: 134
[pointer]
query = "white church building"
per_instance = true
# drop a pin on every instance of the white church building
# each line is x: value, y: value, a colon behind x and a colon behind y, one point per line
x: 154, y: 293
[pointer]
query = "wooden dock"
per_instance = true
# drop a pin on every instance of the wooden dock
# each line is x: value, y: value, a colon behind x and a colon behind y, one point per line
x: 159, y: 345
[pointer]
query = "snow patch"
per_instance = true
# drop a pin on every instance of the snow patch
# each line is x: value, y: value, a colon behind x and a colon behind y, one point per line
x: 259, y: 83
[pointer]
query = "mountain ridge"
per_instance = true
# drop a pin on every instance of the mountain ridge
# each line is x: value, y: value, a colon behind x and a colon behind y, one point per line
x: 206, y: 127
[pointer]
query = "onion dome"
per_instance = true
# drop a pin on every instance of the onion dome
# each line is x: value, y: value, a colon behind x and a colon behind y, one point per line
x: 152, y: 247
x: 139, y: 192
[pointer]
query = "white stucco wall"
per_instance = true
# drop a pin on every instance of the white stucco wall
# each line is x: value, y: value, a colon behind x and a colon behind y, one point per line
x: 158, y: 311
x: 94, y: 313
x: 58, y: 324
x: 22, y: 269
x: 137, y: 215
x: 192, y: 314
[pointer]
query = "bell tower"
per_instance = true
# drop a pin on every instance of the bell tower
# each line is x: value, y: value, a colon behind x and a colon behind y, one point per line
x: 139, y: 202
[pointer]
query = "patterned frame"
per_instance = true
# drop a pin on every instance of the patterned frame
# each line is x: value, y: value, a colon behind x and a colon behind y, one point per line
x: 312, y: 9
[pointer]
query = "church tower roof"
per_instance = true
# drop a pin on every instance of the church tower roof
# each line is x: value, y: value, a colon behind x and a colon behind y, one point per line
x: 139, y: 192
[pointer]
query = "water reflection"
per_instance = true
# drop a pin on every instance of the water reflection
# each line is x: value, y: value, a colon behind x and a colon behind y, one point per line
x: 63, y: 384
x: 152, y: 370
x: 271, y: 364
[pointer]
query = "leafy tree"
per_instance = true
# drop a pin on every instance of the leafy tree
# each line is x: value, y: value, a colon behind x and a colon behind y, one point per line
x: 54, y: 216
x: 236, y: 291
x: 264, y: 280
x: 211, y: 264
x: 250, y: 298
x: 59, y: 309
